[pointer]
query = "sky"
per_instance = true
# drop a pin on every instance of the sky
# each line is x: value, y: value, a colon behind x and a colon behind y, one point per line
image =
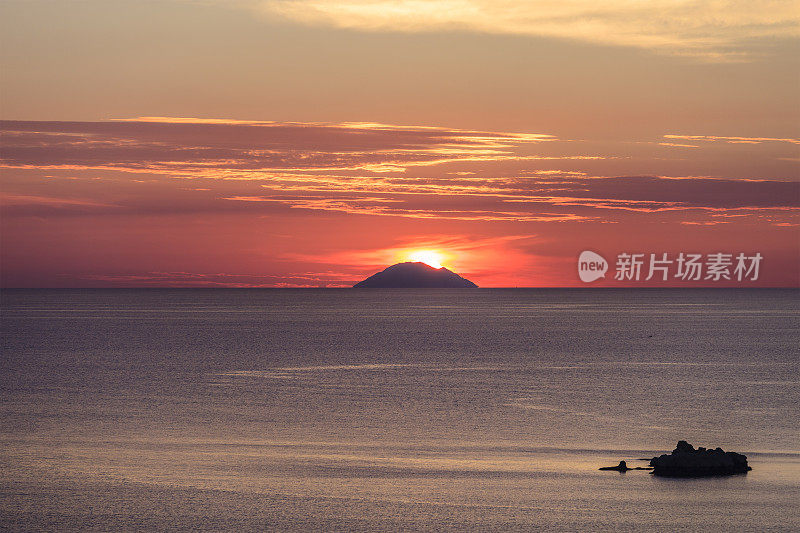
x: 310, y: 143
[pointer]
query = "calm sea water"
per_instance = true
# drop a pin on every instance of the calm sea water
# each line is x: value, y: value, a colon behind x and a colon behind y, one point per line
x: 395, y: 409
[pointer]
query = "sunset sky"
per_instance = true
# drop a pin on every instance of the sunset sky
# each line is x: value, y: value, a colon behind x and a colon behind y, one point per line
x: 293, y: 143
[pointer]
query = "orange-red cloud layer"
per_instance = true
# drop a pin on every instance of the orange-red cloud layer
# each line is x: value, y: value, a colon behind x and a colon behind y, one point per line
x: 268, y: 198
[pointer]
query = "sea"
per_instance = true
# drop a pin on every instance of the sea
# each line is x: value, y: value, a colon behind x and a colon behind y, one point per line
x: 395, y: 410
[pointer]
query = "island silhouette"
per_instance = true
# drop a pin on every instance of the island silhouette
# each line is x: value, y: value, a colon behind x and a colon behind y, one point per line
x: 415, y: 275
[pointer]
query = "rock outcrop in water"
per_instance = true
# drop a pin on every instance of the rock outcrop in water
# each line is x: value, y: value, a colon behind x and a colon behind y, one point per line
x: 415, y: 276
x: 685, y: 461
x: 621, y: 467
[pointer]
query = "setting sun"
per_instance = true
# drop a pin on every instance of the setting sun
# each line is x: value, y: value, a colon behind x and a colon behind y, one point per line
x: 428, y: 257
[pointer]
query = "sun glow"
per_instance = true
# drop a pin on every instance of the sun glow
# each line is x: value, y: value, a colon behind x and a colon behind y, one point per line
x: 429, y: 257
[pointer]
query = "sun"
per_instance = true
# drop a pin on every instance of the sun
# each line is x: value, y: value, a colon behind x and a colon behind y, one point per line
x: 429, y: 257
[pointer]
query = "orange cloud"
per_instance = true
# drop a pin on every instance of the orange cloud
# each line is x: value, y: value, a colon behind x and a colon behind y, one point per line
x: 715, y: 31
x: 753, y: 140
x: 376, y: 206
